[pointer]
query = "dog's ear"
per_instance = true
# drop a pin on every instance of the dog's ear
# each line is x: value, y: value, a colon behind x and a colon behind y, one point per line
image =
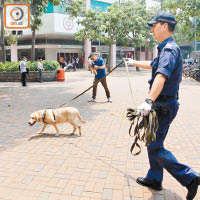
x: 36, y: 116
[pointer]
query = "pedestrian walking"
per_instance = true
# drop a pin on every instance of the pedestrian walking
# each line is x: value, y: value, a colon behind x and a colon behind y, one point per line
x: 40, y: 69
x: 23, y: 69
x: 74, y: 64
x: 163, y: 97
x: 99, y: 68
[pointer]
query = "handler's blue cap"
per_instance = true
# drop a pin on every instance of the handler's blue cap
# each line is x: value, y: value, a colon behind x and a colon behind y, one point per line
x: 164, y: 17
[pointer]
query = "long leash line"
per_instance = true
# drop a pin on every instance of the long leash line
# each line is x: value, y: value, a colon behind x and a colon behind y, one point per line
x: 98, y: 81
x: 90, y: 86
x: 134, y: 116
x: 129, y: 81
x: 149, y: 123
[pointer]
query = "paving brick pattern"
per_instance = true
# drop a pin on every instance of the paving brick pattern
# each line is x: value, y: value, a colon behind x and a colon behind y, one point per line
x: 97, y: 165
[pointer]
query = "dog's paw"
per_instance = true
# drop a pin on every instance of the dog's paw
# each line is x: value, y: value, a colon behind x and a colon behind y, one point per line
x: 57, y: 134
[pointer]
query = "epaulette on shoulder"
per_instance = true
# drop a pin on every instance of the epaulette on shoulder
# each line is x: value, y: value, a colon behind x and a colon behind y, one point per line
x: 168, y: 46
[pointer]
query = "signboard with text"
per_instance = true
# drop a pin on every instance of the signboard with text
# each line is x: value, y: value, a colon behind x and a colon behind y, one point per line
x: 17, y: 16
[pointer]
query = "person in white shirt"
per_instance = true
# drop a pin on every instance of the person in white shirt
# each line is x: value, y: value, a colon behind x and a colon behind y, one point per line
x: 40, y: 69
x: 23, y: 70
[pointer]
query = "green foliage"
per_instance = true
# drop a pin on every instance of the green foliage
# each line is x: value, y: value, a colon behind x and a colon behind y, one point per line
x: 185, y: 11
x: 14, y: 66
x: 138, y: 33
x: 51, y: 65
x: 76, y: 8
x: 12, y: 39
x: 9, y: 67
x: 37, y: 10
x: 126, y: 23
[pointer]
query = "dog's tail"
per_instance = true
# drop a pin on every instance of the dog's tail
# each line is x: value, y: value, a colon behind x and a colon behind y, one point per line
x: 80, y: 119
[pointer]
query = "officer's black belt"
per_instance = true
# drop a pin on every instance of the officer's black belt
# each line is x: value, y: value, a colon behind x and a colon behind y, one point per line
x: 165, y: 98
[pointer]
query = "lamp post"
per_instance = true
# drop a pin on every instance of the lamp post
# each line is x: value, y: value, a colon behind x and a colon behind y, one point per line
x: 161, y: 5
x: 195, y: 34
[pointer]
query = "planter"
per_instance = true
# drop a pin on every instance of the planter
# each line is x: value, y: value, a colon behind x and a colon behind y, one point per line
x: 32, y: 77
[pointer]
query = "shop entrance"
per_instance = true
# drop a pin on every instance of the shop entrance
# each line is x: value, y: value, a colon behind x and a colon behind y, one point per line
x: 67, y: 56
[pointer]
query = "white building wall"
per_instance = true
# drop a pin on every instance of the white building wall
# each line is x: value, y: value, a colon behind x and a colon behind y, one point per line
x: 50, y: 54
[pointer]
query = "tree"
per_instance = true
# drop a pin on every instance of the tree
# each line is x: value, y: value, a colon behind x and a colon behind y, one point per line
x: 138, y: 34
x: 96, y: 25
x: 187, y: 13
x: 126, y: 24
x: 37, y: 10
x: 114, y: 30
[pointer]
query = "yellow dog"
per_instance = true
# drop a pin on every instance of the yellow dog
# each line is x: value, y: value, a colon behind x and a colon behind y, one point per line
x: 60, y: 115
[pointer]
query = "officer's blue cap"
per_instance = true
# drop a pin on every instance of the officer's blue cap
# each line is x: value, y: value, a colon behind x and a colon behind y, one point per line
x: 164, y: 17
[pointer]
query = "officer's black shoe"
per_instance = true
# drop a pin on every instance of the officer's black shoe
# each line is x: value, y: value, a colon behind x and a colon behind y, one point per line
x: 192, y: 188
x: 152, y: 184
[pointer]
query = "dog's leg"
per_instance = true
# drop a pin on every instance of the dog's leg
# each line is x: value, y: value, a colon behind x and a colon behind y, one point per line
x: 75, y: 127
x: 79, y: 128
x: 44, y: 126
x: 57, y: 134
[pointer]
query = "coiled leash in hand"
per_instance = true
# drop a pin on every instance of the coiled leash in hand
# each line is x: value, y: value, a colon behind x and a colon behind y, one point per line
x: 148, y: 123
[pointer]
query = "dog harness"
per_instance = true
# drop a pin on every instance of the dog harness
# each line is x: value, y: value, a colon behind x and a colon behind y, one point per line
x: 150, y: 125
x: 44, y: 115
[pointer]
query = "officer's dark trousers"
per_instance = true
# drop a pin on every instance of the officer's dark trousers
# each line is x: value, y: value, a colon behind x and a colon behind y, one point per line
x: 160, y: 158
x: 104, y: 84
x: 23, y: 78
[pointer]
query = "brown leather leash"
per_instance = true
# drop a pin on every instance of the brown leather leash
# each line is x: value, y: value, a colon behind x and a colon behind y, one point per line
x: 148, y: 123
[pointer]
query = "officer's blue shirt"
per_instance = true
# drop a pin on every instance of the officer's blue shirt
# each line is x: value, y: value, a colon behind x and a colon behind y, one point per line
x: 169, y: 63
x: 100, y: 72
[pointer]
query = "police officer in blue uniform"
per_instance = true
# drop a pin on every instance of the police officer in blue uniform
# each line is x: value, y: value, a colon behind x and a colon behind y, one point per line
x: 163, y: 97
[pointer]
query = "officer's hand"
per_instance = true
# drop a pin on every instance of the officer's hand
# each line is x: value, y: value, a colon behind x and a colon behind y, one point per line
x: 96, y: 67
x: 129, y: 61
x: 145, y: 108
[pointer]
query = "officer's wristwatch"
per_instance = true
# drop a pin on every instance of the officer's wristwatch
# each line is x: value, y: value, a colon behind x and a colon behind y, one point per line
x: 149, y: 101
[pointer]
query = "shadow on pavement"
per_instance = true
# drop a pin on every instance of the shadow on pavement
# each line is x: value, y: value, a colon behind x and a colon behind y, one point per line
x: 48, y: 135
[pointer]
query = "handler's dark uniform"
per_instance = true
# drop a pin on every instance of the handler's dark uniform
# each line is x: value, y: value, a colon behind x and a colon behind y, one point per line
x: 168, y: 63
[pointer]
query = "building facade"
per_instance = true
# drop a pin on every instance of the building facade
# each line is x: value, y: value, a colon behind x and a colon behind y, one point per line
x: 55, y: 38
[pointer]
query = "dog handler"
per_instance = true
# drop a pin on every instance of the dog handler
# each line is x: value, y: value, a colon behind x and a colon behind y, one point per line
x: 162, y: 96
x: 100, y: 76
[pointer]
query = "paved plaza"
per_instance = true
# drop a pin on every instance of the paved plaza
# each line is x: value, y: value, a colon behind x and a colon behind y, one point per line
x: 98, y: 165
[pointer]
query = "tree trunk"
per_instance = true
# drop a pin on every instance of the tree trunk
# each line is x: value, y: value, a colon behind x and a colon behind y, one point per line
x: 137, y: 56
x: 33, y: 46
x: 112, y: 55
x: 13, y: 52
x: 146, y: 53
x: 109, y: 58
x: 3, y: 55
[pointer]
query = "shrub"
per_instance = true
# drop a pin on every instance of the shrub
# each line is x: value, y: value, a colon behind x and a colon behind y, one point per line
x: 14, y: 66
x: 9, y: 67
